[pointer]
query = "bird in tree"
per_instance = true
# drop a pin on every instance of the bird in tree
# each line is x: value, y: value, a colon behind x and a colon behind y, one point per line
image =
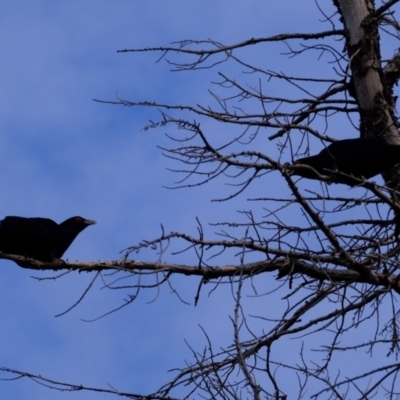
x: 39, y: 238
x: 344, y: 160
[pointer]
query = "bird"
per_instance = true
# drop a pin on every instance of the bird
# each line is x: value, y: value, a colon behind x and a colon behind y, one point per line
x: 39, y: 238
x: 347, y: 161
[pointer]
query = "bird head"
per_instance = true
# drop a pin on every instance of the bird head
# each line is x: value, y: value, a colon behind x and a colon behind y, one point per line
x: 81, y: 221
x: 76, y: 224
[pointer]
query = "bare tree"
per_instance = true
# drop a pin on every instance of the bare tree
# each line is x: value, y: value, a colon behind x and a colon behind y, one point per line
x: 330, y: 255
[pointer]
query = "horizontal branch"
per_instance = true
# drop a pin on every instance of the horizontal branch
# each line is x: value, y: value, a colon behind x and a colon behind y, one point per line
x: 70, y: 387
x: 284, y: 267
x: 220, y: 48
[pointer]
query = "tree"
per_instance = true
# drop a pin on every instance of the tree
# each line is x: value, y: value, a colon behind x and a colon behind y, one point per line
x: 331, y: 252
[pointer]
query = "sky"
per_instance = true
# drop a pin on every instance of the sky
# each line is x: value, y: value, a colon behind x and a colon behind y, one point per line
x: 63, y: 154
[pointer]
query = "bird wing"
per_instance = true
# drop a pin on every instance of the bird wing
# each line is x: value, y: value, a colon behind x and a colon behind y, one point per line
x: 31, y: 237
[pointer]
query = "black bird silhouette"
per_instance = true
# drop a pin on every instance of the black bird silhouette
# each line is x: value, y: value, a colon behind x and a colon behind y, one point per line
x: 362, y: 157
x: 39, y: 238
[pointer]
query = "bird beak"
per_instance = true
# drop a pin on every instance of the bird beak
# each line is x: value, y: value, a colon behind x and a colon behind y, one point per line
x: 90, y: 222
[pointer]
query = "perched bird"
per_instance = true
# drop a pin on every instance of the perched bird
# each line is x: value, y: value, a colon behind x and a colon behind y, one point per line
x: 39, y: 238
x: 363, y: 157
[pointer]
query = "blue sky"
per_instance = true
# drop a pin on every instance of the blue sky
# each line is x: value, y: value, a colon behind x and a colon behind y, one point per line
x: 62, y: 154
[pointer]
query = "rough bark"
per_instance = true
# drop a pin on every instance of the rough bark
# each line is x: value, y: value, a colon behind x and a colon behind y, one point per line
x: 373, y: 96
